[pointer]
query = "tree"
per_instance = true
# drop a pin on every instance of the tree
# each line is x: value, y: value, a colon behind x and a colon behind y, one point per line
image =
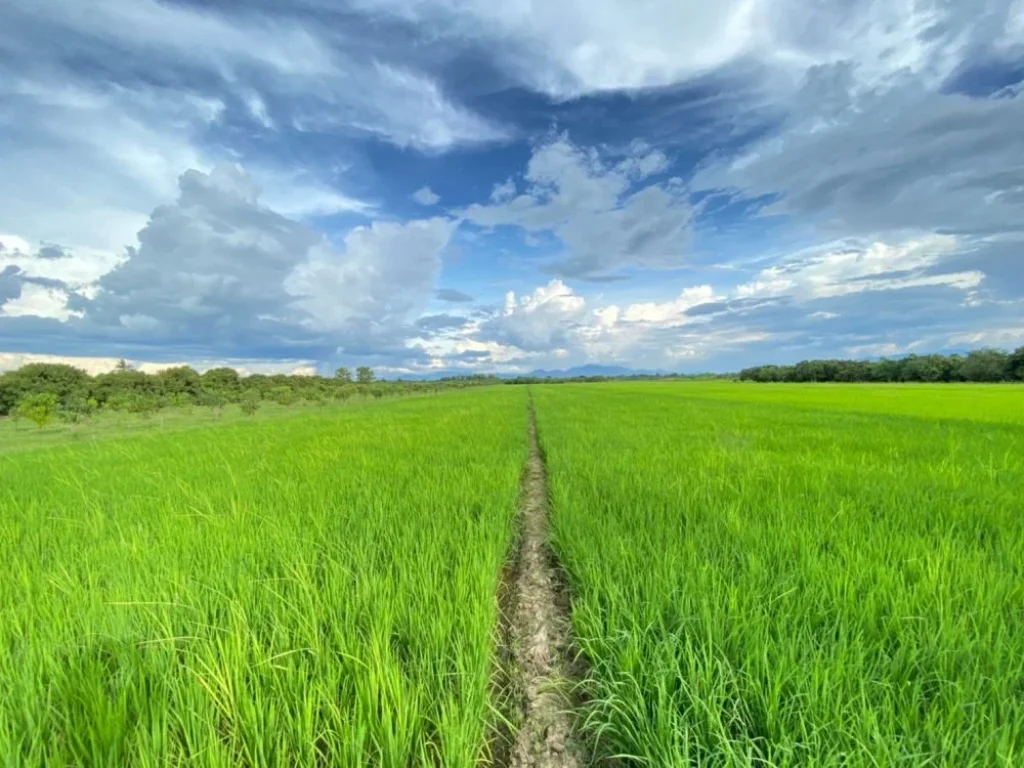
x: 182, y: 401
x: 986, y: 365
x: 250, y: 402
x: 343, y: 375
x: 283, y: 395
x: 1016, y: 366
x: 122, y: 366
x: 143, y: 405
x: 215, y: 401
x: 180, y: 380
x: 55, y: 378
x: 224, y: 380
x: 39, y: 408
x: 76, y: 409
x: 10, y: 393
x: 364, y: 375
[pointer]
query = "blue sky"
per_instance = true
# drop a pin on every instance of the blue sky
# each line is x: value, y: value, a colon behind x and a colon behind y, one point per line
x: 463, y: 185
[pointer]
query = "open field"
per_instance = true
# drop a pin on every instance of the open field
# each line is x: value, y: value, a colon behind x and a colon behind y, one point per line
x: 761, y: 575
x: 17, y: 436
x: 764, y: 576
x: 316, y: 589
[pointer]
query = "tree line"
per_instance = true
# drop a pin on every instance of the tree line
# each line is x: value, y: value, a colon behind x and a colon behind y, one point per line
x: 982, y: 365
x: 42, y: 392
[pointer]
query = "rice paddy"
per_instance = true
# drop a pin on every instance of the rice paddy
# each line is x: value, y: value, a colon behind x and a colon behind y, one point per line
x: 316, y: 590
x: 784, y: 576
x: 776, y: 575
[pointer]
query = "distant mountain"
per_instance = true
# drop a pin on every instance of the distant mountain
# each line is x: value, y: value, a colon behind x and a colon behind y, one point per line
x: 609, y: 371
x: 588, y: 370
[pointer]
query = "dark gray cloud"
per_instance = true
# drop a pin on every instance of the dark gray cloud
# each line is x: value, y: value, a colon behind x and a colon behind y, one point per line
x: 900, y: 158
x: 10, y: 283
x: 52, y: 251
x: 436, y: 323
x: 217, y: 274
x: 452, y: 295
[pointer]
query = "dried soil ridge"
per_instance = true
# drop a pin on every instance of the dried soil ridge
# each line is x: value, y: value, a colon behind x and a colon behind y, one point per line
x: 542, y: 636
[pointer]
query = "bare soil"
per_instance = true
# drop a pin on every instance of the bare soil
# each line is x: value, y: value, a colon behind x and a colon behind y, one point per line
x: 540, y: 635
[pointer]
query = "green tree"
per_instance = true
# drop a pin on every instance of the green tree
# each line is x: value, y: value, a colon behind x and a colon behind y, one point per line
x: 143, y: 405
x: 986, y: 365
x: 182, y: 401
x: 1017, y: 364
x: 56, y: 378
x: 10, y: 393
x: 224, y: 380
x: 250, y: 402
x: 76, y: 409
x: 215, y: 401
x: 365, y: 375
x: 282, y: 395
x: 40, y: 408
x: 180, y: 380
x: 343, y: 375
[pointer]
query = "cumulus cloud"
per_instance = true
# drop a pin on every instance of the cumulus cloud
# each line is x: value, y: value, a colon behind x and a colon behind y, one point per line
x: 378, y: 284
x: 543, y: 320
x: 825, y: 302
x: 218, y: 273
x: 426, y: 196
x: 604, y: 216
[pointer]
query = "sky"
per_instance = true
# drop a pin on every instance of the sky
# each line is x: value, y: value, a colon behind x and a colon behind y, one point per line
x: 465, y: 186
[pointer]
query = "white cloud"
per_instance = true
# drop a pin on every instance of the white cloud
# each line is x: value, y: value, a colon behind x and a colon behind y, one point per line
x: 672, y: 311
x: 881, y: 349
x: 848, y: 270
x: 994, y: 337
x: 10, y: 361
x: 540, y: 321
x: 381, y: 281
x: 605, y: 221
x: 39, y: 301
x: 219, y: 273
x: 567, y: 48
x: 426, y: 196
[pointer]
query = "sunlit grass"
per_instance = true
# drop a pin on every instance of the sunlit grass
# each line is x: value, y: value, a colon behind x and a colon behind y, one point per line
x: 763, y: 577
x: 316, y: 590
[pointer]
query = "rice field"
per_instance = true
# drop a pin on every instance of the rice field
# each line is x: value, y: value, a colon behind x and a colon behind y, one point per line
x: 760, y: 575
x: 784, y: 576
x: 315, y: 590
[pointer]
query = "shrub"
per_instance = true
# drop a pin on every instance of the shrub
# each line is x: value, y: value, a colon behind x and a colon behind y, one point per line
x: 40, y: 408
x: 250, y: 403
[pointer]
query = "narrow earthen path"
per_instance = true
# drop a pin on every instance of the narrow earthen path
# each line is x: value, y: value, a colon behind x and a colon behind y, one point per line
x: 541, y: 636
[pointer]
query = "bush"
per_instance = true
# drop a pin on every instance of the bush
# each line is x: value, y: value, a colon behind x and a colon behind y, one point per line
x: 40, y: 408
x: 250, y: 403
x: 281, y: 395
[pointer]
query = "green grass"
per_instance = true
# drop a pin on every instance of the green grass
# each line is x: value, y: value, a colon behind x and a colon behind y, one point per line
x: 794, y: 576
x: 16, y: 436
x: 316, y: 589
x: 790, y: 575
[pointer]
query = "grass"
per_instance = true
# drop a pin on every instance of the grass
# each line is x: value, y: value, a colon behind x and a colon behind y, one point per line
x: 316, y: 589
x: 794, y: 576
x: 17, y: 436
x: 791, y: 575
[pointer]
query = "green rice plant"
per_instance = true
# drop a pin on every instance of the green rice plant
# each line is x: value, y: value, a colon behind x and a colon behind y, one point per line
x: 317, y: 589
x: 794, y: 576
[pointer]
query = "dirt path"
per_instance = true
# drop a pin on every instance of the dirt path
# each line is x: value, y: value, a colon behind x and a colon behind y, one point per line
x: 541, y: 636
